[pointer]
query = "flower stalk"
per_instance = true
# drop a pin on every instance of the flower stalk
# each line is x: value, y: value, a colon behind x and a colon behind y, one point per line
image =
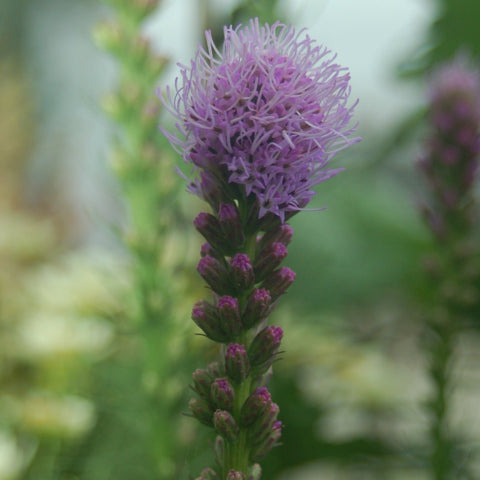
x: 150, y: 189
x: 450, y: 164
x: 258, y: 121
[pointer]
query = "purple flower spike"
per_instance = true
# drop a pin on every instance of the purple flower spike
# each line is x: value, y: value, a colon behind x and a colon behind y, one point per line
x: 268, y: 113
x: 451, y: 157
x: 259, y: 121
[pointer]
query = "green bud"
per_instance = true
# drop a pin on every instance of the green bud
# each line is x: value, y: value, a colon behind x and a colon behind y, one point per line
x: 208, y: 474
x: 255, y: 472
x: 235, y: 475
x: 202, y: 382
x: 202, y: 411
x: 225, y: 425
x: 222, y: 394
x: 237, y: 365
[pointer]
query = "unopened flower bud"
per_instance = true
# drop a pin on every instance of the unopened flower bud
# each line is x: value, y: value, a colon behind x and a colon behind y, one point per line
x: 255, y: 472
x: 229, y: 313
x: 262, y: 427
x: 211, y: 190
x: 278, y: 282
x: 235, y: 475
x: 225, y: 425
x: 208, y: 474
x: 215, y: 370
x: 269, y: 259
x: 255, y: 406
x: 282, y: 234
x: 257, y: 309
x: 202, y: 381
x: 206, y: 316
x: 231, y: 225
x: 207, y: 249
x: 219, y: 450
x: 115, y: 106
x: 109, y: 36
x: 264, y: 348
x: 237, y: 365
x: 140, y: 49
x: 209, y: 227
x: 202, y: 411
x: 222, y: 394
x: 270, y: 221
x: 241, y: 270
x: 214, y: 273
x: 269, y: 442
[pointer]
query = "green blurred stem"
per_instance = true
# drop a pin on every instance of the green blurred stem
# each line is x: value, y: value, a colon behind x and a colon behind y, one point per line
x: 441, y: 357
x: 148, y: 198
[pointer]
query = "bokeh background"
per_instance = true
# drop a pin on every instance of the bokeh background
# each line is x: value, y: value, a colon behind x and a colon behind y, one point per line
x: 85, y: 383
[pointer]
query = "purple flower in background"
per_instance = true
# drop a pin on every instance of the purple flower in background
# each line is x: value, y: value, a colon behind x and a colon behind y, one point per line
x: 450, y: 163
x: 451, y: 156
x: 267, y: 112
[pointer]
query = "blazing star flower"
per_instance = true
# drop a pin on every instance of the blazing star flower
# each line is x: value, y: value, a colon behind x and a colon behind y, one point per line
x: 451, y: 157
x: 267, y: 112
x: 259, y: 122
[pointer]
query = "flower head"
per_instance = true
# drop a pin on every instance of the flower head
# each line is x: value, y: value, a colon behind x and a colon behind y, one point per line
x: 267, y: 112
x: 451, y: 157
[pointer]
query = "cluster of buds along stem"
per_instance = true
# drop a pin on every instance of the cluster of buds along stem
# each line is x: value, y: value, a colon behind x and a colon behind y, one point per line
x: 451, y: 157
x: 241, y: 264
x: 258, y: 120
x: 450, y: 164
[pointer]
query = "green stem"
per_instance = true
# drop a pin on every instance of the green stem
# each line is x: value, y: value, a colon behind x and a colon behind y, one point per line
x: 237, y: 456
x: 441, y: 351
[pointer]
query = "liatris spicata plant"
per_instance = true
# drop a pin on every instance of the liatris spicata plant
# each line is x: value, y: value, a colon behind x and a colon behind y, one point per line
x: 259, y: 121
x: 150, y: 188
x: 450, y: 163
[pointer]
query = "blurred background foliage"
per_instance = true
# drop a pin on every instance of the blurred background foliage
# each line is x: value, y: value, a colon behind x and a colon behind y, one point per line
x: 90, y: 388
